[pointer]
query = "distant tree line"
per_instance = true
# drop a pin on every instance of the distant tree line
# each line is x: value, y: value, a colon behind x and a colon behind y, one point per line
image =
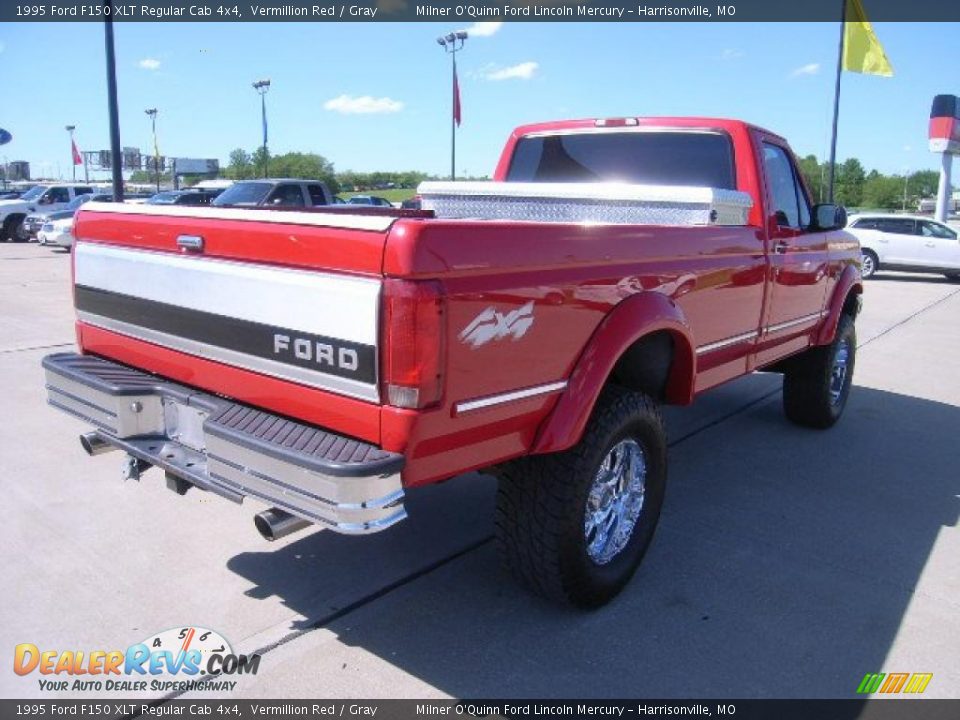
x: 245, y: 165
x: 856, y: 188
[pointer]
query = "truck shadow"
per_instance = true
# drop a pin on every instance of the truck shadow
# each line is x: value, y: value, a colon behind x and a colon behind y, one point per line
x: 783, y: 567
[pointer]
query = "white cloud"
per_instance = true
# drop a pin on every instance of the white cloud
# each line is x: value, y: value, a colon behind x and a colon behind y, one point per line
x: 521, y: 71
x: 483, y: 29
x: 808, y: 69
x: 731, y: 54
x: 149, y: 64
x: 362, y: 105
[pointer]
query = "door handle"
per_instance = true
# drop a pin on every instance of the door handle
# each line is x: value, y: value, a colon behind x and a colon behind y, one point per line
x: 190, y: 243
x: 780, y: 247
x: 930, y: 244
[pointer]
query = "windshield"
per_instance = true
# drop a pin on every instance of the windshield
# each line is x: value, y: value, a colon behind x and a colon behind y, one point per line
x: 167, y: 198
x: 655, y: 158
x: 251, y: 193
x: 60, y: 215
x: 33, y: 193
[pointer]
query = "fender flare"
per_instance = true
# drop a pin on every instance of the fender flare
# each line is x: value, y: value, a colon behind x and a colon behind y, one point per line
x: 632, y: 319
x: 849, y: 283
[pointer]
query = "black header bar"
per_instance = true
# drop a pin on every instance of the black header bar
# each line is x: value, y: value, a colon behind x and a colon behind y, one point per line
x: 469, y: 12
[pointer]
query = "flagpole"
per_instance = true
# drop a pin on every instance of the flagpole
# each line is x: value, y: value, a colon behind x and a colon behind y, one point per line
x: 836, y: 104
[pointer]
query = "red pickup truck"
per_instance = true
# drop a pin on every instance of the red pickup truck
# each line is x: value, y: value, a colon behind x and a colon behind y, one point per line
x: 327, y: 361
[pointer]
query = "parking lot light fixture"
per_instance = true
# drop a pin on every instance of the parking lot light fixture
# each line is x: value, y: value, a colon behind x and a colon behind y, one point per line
x: 152, y: 114
x: 452, y: 43
x: 262, y: 87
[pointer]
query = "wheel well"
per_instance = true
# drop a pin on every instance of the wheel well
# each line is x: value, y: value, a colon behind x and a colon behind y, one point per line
x: 646, y: 365
x: 851, y: 305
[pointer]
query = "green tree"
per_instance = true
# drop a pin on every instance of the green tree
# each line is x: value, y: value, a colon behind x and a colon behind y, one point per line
x: 883, y: 192
x: 813, y: 174
x: 849, y: 183
x: 924, y: 183
x: 240, y: 166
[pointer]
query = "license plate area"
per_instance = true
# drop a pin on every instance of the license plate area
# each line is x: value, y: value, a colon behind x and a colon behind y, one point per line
x: 184, y: 424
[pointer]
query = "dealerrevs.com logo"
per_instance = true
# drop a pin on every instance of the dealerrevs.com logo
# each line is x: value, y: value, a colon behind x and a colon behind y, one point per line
x: 179, y: 659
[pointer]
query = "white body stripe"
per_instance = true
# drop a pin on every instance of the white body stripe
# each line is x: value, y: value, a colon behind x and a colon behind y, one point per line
x: 336, y: 306
x: 335, y: 219
x: 491, y: 400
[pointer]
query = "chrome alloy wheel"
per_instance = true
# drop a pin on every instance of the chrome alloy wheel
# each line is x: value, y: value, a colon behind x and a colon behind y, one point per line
x: 615, y: 501
x: 838, y: 372
x: 867, y: 267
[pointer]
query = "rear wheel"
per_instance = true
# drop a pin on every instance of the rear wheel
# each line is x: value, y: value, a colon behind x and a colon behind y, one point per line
x: 816, y: 385
x: 869, y: 264
x: 9, y: 230
x: 574, y: 526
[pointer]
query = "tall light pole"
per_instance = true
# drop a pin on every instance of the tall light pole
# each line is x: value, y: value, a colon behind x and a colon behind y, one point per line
x: 452, y: 44
x: 70, y: 129
x: 262, y: 86
x: 152, y: 114
x: 113, y: 111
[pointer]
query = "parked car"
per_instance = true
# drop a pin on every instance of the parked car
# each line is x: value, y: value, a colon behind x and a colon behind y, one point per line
x: 413, y: 203
x: 532, y: 327
x: 33, y: 223
x: 906, y: 242
x: 369, y: 200
x: 10, y: 194
x: 58, y: 229
x: 181, y: 197
x: 39, y: 198
x: 280, y: 192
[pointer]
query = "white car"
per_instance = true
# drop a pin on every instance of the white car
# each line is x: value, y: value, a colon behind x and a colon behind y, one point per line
x: 906, y: 242
x: 57, y: 232
x: 38, y: 199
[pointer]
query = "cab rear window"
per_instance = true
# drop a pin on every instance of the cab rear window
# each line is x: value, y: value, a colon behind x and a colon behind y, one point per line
x: 650, y: 158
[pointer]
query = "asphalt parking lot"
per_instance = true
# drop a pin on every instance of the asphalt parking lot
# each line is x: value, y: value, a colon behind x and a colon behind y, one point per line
x: 788, y: 562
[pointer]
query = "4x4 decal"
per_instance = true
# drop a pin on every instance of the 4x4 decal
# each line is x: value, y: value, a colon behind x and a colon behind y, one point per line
x: 493, y: 325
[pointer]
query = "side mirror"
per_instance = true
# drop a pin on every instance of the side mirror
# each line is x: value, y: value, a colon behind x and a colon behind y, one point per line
x: 828, y: 216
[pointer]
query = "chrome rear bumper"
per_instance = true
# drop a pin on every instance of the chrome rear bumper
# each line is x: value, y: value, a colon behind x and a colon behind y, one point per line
x: 230, y: 449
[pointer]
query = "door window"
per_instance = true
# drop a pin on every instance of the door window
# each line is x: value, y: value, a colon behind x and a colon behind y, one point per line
x: 58, y: 195
x: 286, y: 196
x: 787, y: 194
x: 932, y: 229
x: 897, y: 226
x: 317, y: 196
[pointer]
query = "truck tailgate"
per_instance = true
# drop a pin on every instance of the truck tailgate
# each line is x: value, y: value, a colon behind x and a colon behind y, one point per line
x: 293, y: 296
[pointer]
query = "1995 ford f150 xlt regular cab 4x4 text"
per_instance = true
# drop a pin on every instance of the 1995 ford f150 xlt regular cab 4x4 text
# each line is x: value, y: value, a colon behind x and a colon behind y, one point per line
x: 328, y: 361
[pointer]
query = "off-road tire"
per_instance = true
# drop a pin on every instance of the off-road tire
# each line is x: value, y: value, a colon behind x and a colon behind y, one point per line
x: 542, y: 501
x: 869, y: 264
x: 807, y: 382
x: 9, y: 229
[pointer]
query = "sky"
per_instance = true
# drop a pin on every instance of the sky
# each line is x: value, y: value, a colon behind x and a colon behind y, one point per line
x: 376, y: 96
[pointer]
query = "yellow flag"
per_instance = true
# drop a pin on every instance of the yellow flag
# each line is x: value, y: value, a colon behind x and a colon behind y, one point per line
x: 862, y: 51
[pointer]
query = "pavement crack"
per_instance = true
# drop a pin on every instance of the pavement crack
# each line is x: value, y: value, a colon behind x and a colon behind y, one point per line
x: 35, y: 347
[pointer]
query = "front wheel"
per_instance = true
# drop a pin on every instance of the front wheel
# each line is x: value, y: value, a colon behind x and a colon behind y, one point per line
x: 574, y: 526
x: 869, y: 264
x: 816, y: 385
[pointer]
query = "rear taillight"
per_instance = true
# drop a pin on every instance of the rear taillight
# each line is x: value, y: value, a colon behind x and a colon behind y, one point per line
x: 412, y: 343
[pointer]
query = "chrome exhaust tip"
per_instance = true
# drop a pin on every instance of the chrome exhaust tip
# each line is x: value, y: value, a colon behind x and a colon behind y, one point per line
x: 275, y: 523
x: 94, y: 444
